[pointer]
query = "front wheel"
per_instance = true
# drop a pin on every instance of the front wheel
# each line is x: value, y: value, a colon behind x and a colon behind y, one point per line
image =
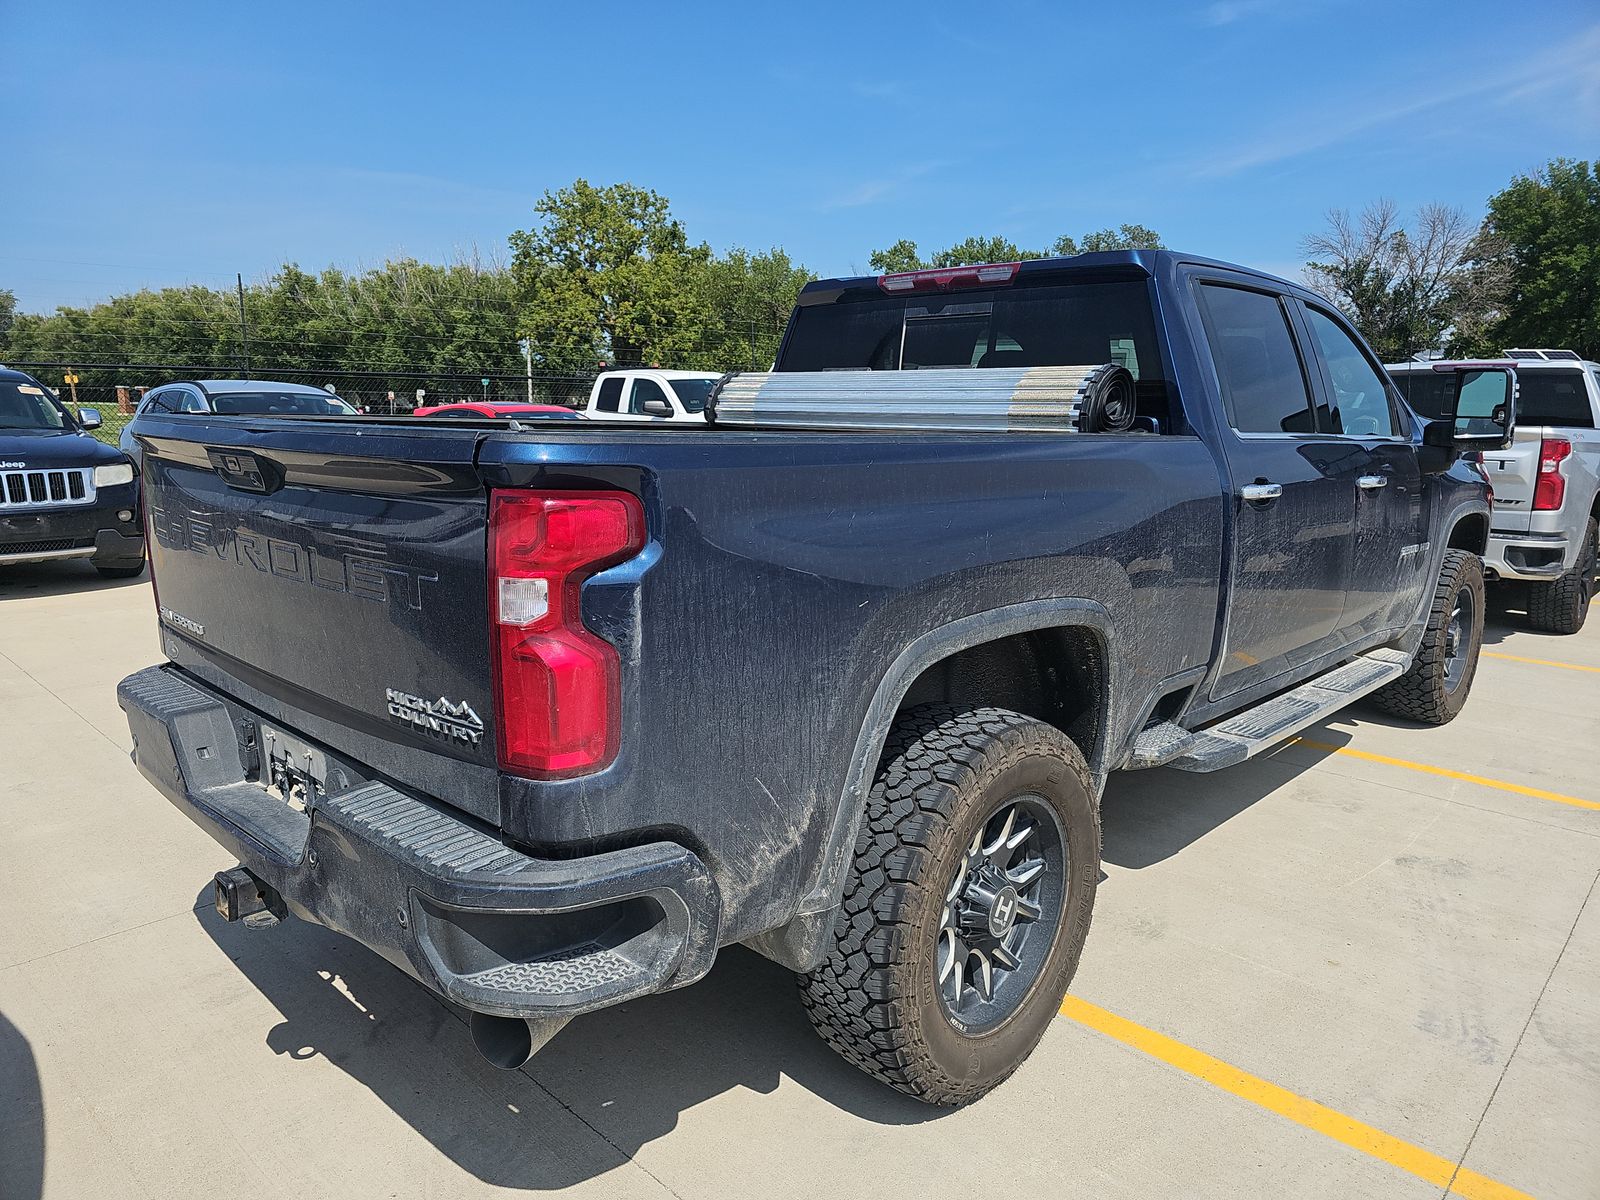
x: 1435, y: 687
x: 967, y: 905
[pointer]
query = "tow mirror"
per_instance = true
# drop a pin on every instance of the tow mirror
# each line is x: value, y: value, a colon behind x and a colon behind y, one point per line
x: 1485, y: 407
x: 1481, y: 414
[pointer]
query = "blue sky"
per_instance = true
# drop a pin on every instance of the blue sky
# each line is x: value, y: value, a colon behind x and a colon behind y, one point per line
x: 157, y: 144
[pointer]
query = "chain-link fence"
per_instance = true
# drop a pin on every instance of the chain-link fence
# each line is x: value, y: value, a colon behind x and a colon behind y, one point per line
x: 115, y: 391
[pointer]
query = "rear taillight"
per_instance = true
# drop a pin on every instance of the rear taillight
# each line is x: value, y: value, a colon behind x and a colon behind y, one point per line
x: 556, y: 684
x: 945, y: 279
x: 1550, y: 487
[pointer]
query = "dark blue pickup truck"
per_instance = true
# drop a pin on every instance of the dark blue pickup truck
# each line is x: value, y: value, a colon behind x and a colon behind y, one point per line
x: 545, y: 717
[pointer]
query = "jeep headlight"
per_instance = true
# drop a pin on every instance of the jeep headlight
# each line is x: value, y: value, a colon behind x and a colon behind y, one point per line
x: 111, y: 474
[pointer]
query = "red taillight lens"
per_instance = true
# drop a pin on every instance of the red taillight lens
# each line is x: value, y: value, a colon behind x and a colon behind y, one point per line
x: 944, y: 279
x: 556, y: 684
x: 1550, y: 488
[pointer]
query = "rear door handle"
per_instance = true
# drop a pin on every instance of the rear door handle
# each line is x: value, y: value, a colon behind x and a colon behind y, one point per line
x: 1256, y: 493
x: 1369, y: 482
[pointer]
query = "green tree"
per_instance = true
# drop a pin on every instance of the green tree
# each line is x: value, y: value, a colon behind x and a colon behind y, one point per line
x: 1548, y: 224
x: 1430, y: 287
x: 1124, y: 237
x: 609, y: 274
x: 904, y: 255
x: 8, y: 315
x: 748, y: 300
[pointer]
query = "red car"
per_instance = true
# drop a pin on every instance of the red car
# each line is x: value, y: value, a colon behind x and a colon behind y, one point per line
x: 476, y: 411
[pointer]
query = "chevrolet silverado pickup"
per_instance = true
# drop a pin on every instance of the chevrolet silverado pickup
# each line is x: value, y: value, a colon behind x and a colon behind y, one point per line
x: 1546, y: 482
x: 547, y: 716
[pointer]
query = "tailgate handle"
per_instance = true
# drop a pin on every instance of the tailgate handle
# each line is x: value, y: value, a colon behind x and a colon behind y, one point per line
x: 244, y: 470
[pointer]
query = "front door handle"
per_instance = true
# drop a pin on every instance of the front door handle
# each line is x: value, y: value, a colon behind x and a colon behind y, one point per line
x: 1256, y: 493
x: 1369, y: 482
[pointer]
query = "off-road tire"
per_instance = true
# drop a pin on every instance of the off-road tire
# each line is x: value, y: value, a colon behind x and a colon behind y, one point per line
x: 875, y: 998
x: 1422, y: 693
x: 130, y: 572
x: 1561, y: 605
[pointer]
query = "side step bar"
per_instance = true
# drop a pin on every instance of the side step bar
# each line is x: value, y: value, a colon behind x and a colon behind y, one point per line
x: 1248, y: 733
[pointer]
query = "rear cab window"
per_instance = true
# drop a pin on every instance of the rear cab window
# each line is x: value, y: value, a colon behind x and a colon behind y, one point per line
x: 1065, y: 324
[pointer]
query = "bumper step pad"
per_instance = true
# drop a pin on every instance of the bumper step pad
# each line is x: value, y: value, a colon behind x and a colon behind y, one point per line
x: 494, y: 929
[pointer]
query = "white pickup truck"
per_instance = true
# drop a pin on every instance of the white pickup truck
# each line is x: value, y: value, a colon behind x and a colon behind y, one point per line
x: 651, y: 394
x: 1546, y: 483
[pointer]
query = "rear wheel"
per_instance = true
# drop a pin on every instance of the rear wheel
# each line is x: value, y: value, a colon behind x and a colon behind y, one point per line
x: 1435, y: 687
x: 1561, y: 605
x: 967, y: 905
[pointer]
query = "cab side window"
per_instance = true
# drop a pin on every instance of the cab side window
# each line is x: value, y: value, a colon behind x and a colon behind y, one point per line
x: 1259, y: 370
x: 1360, y: 399
x: 610, y: 395
x: 645, y: 389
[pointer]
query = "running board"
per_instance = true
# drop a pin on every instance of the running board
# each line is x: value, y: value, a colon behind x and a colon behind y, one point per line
x: 1248, y: 733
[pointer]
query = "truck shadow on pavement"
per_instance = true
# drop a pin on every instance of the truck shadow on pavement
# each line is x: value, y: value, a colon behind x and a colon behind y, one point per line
x: 36, y: 580
x: 616, y: 1080
x: 608, y: 1084
x: 1148, y: 816
x: 21, y: 1117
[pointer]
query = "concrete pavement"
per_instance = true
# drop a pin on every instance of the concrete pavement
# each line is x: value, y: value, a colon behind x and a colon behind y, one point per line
x: 1417, y: 952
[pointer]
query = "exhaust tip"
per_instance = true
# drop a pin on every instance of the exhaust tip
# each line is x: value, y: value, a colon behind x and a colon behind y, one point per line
x: 508, y: 1042
x: 505, y: 1042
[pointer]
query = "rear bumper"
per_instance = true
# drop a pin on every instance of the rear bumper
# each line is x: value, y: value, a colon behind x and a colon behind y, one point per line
x: 1528, y: 556
x: 481, y: 923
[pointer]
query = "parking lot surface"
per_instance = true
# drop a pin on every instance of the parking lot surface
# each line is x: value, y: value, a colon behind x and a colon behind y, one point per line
x: 1365, y: 965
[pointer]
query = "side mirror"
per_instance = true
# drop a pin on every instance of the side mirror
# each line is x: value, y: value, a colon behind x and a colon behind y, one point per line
x: 89, y: 418
x: 657, y: 408
x: 1485, y: 408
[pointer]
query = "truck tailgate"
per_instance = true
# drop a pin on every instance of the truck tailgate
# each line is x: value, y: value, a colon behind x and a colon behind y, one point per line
x: 1512, y: 473
x: 337, y: 569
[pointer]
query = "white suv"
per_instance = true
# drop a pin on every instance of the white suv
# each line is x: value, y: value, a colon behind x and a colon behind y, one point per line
x: 1546, y: 483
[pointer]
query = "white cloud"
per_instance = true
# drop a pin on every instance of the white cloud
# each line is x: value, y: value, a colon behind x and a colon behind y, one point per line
x: 1572, y: 69
x: 1226, y: 12
x: 870, y: 191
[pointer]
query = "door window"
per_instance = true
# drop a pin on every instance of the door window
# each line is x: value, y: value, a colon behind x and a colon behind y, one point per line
x: 645, y: 389
x: 610, y: 395
x: 1360, y: 400
x: 1258, y: 368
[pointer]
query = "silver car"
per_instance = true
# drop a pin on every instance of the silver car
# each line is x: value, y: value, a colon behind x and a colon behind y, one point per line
x: 244, y: 396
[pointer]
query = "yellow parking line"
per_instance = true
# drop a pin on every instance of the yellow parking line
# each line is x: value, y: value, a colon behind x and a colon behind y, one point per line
x: 1308, y: 1113
x: 1446, y: 773
x: 1538, y: 662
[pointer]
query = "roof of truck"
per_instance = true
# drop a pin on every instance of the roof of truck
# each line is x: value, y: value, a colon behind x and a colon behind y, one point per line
x: 1112, y: 262
x: 1518, y: 364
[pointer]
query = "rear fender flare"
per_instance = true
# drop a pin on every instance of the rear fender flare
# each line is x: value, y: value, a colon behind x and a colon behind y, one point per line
x: 801, y: 943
